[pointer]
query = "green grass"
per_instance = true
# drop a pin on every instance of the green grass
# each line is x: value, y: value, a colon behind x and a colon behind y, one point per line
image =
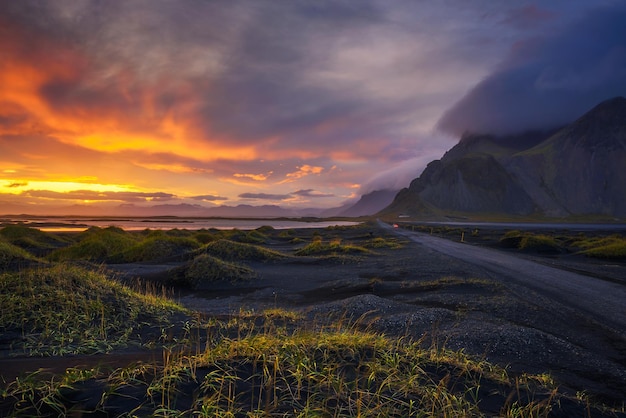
x: 275, y: 368
x: 380, y: 242
x: 96, y: 244
x: 237, y: 251
x: 611, y: 247
x: 155, y: 248
x: 333, y: 247
x: 70, y: 310
x: 204, y: 270
x: 12, y: 256
x: 531, y: 242
x: 250, y: 237
x: 31, y: 239
x: 538, y: 243
x: 613, y: 251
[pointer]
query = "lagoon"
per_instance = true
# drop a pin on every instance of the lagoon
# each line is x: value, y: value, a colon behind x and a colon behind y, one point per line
x: 77, y: 224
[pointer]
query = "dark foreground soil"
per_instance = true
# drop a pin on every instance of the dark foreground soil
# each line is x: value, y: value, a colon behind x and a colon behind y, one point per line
x: 418, y: 293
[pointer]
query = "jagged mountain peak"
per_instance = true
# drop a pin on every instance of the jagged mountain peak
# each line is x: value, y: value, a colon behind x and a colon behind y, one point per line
x: 604, y: 126
x: 370, y: 203
x: 575, y: 171
x: 609, y: 110
x: 497, y: 145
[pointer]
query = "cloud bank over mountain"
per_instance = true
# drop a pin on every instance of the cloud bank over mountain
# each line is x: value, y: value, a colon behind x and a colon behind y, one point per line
x: 548, y: 80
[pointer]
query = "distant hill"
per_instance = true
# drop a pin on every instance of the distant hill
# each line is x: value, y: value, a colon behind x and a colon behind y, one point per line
x: 239, y: 211
x: 370, y: 203
x: 367, y: 205
x: 577, y: 170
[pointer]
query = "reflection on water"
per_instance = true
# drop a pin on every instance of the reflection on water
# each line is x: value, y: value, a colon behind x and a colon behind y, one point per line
x: 75, y: 224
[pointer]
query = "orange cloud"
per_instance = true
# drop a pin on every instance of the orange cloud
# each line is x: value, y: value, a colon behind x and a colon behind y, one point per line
x: 303, y: 171
x: 50, y: 87
x: 257, y: 177
x: 173, y: 168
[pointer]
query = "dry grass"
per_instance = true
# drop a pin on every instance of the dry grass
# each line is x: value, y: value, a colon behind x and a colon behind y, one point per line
x: 204, y: 270
x: 277, y: 368
x: 70, y: 310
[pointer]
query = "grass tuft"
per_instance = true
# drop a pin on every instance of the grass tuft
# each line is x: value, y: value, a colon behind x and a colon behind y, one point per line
x: 612, y: 247
x: 70, y: 310
x: 156, y: 248
x: 204, y: 270
x: 333, y: 247
x: 12, y: 256
x: 96, y: 244
x: 529, y: 242
x: 234, y: 251
x: 271, y: 371
x: 30, y: 239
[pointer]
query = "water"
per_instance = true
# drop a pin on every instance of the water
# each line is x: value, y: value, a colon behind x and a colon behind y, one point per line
x: 69, y: 224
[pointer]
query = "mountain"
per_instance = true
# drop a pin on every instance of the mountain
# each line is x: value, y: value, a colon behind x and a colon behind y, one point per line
x: 572, y: 171
x: 131, y: 210
x: 369, y: 203
x: 187, y: 210
x: 239, y: 211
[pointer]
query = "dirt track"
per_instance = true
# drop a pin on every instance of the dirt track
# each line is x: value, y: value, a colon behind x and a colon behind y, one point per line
x: 600, y: 300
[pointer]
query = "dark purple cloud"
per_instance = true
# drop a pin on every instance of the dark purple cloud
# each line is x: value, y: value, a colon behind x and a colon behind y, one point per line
x: 308, y: 193
x: 17, y: 184
x: 208, y: 198
x: 265, y: 196
x: 134, y: 197
x: 549, y: 81
x: 311, y: 193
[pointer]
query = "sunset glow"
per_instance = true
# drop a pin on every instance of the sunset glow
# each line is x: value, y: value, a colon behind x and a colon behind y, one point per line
x: 142, y: 103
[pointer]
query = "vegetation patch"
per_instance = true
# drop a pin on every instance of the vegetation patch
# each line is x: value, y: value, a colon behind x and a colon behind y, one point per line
x: 448, y: 282
x: 333, y: 247
x: 606, y: 247
x: 286, y: 234
x: 12, y: 256
x: 204, y: 236
x: 611, y: 247
x: 70, y: 310
x: 380, y: 242
x: 612, y: 251
x: 530, y: 242
x: 96, y: 244
x: 31, y: 239
x: 271, y: 371
x: 234, y: 251
x: 250, y: 237
x: 539, y: 243
x: 155, y: 248
x: 204, y: 270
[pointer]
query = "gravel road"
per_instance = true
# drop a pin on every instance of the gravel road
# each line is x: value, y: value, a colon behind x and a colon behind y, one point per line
x: 603, y: 301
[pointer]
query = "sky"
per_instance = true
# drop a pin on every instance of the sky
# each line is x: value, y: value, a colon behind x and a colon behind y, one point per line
x: 297, y: 103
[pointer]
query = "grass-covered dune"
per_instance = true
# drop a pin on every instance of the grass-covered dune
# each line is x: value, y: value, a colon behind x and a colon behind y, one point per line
x: 609, y: 246
x: 31, y: 239
x: 12, y: 256
x: 65, y: 309
x: 266, y: 365
x: 272, y: 362
x: 229, y: 250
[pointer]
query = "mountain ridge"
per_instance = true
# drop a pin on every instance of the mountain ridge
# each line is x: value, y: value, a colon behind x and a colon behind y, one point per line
x: 576, y: 170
